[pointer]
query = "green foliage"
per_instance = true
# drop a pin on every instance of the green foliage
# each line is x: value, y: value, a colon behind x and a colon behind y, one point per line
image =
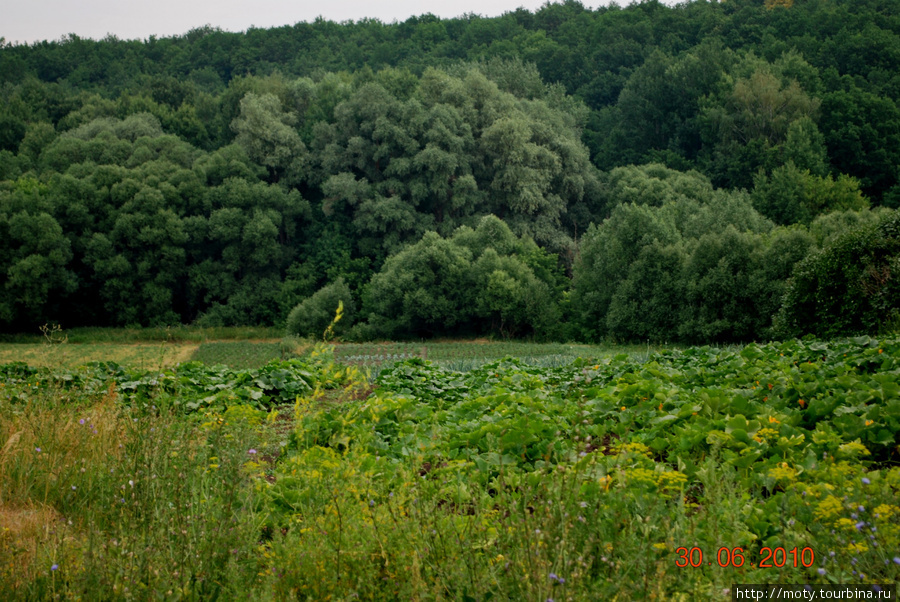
x: 693, y: 267
x: 787, y: 445
x: 221, y: 178
x: 421, y: 289
x: 312, y: 316
x: 473, y: 283
x: 791, y: 195
x: 848, y: 287
x: 237, y: 354
x: 265, y: 132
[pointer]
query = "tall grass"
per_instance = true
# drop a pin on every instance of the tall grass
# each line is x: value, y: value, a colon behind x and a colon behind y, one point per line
x: 100, y: 500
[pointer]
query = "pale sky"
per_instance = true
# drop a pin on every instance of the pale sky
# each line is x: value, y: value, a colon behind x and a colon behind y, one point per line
x: 27, y: 21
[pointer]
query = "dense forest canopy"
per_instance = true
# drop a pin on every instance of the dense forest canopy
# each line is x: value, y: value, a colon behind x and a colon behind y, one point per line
x: 638, y: 172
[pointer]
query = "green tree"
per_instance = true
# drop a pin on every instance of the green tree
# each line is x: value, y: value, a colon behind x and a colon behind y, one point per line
x: 848, y: 287
x: 791, y: 195
x: 314, y: 314
x: 423, y: 290
x: 267, y: 133
x: 35, y: 259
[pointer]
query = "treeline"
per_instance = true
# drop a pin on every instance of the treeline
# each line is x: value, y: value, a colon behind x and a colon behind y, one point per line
x: 627, y: 173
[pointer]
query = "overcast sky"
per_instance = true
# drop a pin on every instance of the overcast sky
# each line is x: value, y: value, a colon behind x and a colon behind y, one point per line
x: 32, y: 20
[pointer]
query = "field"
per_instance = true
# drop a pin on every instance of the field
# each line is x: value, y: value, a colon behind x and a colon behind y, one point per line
x: 438, y: 472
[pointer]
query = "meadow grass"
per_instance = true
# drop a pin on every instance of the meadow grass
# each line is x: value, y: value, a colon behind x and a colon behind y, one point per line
x: 141, y: 356
x: 415, y: 489
x: 176, y: 334
x: 465, y: 355
x: 105, y: 501
x: 241, y: 354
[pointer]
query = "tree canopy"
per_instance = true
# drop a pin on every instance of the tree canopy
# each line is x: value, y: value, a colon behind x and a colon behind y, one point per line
x: 644, y: 171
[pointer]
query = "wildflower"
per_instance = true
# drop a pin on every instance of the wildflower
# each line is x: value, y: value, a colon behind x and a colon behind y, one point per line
x: 862, y: 508
x: 896, y: 559
x: 821, y: 572
x: 54, y: 567
x: 553, y: 576
x: 37, y: 449
x: 74, y: 487
x: 252, y: 452
x: 860, y: 525
x: 865, y: 481
x: 81, y: 421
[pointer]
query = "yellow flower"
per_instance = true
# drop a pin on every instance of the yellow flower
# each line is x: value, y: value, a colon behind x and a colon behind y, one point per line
x: 854, y: 448
x: 671, y: 480
x: 828, y: 508
x: 846, y: 524
x: 885, y: 511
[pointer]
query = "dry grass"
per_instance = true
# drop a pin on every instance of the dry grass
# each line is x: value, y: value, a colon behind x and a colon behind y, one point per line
x: 23, y: 533
x: 145, y: 356
x: 45, y: 444
x: 34, y: 483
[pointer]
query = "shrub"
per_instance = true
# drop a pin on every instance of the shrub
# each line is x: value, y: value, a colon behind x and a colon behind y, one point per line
x: 313, y: 315
x: 849, y: 287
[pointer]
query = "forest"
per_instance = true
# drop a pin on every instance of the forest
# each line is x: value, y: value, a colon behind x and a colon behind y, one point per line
x: 707, y: 172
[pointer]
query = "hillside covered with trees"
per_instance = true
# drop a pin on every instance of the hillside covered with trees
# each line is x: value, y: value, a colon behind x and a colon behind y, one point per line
x: 708, y: 172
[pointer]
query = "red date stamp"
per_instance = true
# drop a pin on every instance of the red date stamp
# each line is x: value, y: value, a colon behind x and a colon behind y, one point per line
x: 736, y: 557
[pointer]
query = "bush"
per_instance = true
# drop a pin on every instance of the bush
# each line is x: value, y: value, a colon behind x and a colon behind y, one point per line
x: 313, y: 315
x: 849, y: 287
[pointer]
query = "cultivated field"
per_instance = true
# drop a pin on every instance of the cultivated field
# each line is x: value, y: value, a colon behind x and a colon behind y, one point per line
x: 370, y: 472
